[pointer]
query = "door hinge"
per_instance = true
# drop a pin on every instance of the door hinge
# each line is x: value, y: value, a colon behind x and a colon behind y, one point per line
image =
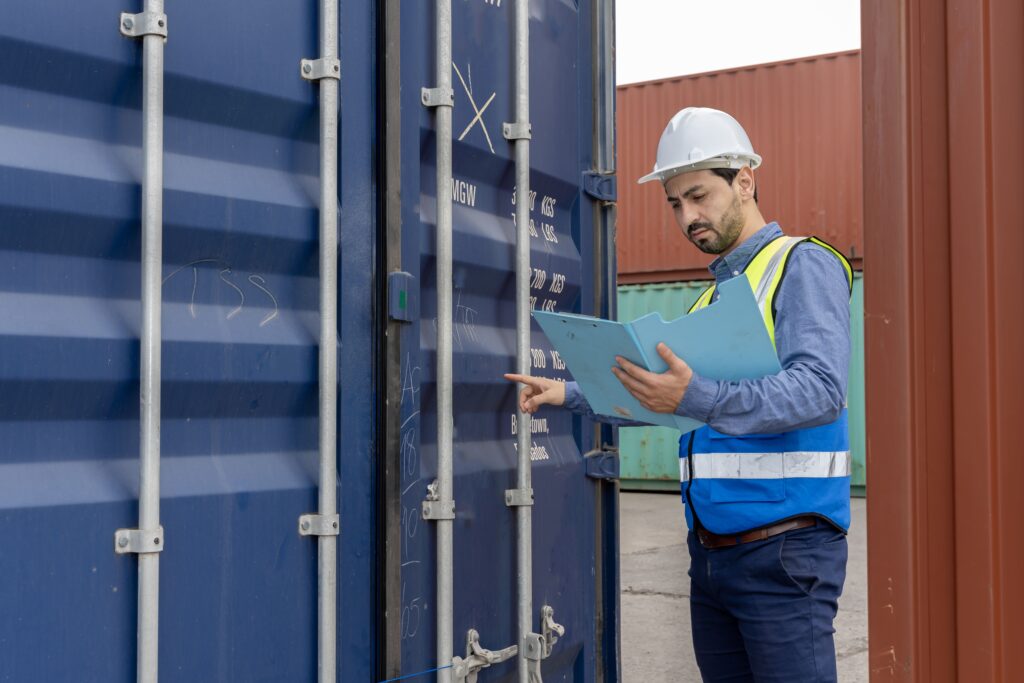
x: 603, y: 187
x: 602, y: 464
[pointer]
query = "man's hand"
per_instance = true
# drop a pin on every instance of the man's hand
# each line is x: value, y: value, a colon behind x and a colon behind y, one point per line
x: 539, y: 391
x: 659, y: 393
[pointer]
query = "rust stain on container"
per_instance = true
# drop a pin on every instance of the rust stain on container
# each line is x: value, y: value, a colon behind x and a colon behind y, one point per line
x: 943, y: 140
x: 803, y: 116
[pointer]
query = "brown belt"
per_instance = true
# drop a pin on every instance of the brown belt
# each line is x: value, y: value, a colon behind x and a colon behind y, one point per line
x: 710, y: 540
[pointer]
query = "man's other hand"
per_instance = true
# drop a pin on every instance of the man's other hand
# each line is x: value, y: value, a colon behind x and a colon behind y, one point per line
x: 659, y: 393
x: 539, y: 391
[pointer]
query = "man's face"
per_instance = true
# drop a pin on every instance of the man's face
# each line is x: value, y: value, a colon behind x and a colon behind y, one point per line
x: 707, y: 209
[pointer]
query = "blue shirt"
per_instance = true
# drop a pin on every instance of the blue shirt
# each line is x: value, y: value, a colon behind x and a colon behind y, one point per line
x: 812, y: 338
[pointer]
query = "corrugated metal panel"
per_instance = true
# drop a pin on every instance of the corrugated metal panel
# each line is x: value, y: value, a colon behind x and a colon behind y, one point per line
x: 804, y: 118
x: 943, y: 105
x: 239, y: 395
x: 649, y: 456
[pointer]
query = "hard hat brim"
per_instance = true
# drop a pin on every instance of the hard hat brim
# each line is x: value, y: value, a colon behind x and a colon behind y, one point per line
x: 733, y: 162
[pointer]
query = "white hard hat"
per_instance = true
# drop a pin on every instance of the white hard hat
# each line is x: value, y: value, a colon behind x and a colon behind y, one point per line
x: 698, y: 138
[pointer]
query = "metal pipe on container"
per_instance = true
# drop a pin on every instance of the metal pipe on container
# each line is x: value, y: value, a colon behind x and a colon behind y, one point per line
x: 147, y: 540
x: 325, y: 525
x: 149, y: 471
x: 524, y: 512
x: 327, y: 545
x: 152, y: 277
x: 443, y: 134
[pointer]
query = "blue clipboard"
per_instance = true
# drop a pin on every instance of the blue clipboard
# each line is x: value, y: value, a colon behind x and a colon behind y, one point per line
x: 724, y: 341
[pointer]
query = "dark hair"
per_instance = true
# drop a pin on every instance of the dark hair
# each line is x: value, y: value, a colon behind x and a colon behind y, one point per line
x: 729, y: 175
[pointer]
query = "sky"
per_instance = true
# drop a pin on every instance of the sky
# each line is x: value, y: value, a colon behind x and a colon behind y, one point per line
x: 664, y: 38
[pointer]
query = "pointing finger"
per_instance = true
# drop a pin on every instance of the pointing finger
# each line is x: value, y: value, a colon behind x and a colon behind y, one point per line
x: 525, y: 379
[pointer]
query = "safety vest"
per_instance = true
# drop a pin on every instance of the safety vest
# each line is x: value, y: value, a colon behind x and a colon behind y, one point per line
x: 733, y: 484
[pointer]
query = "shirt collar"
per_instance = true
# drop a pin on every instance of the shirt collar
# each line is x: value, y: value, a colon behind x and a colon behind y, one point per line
x: 736, y: 261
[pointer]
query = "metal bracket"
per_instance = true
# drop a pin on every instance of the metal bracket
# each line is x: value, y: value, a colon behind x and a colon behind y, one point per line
x: 518, y: 497
x: 538, y: 646
x: 602, y: 464
x: 477, y: 658
x: 517, y: 131
x: 144, y: 24
x: 533, y: 646
x: 435, y: 509
x: 437, y: 97
x: 319, y: 525
x: 316, y: 69
x: 603, y: 187
x: 533, y: 651
x: 138, y: 541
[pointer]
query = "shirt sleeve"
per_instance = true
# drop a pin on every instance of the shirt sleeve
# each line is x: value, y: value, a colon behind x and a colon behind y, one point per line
x: 812, y: 337
x: 576, y: 402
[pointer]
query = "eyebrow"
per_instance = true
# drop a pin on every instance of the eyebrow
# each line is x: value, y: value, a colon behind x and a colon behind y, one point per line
x: 695, y: 188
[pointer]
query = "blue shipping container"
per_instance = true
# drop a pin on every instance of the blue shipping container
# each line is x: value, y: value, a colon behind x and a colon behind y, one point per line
x: 238, y: 584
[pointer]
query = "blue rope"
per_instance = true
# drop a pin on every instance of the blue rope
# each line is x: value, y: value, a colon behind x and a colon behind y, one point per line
x: 421, y: 673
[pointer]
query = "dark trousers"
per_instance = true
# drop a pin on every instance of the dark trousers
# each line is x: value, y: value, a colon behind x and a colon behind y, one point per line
x: 763, y: 611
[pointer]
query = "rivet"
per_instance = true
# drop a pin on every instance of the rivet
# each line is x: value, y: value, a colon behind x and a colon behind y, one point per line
x: 305, y: 526
x: 306, y: 68
x: 336, y: 67
x: 156, y: 541
x: 122, y: 542
x: 335, y: 525
x: 127, y: 23
x: 160, y: 23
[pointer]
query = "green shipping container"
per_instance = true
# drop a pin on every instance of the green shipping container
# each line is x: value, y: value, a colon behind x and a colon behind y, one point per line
x: 649, y: 456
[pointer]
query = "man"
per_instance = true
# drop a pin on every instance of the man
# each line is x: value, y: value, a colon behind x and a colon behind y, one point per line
x: 766, y: 483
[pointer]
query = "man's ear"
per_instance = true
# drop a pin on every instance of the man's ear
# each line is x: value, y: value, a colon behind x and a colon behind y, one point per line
x: 745, y: 183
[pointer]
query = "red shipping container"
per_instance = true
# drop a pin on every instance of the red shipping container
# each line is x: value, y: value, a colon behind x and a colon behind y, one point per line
x: 803, y: 117
x: 943, y: 140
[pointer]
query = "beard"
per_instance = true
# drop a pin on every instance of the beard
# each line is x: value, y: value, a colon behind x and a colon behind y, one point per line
x: 721, y: 235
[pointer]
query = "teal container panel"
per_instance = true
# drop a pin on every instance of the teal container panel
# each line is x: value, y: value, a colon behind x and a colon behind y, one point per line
x: 855, y: 391
x: 649, y: 456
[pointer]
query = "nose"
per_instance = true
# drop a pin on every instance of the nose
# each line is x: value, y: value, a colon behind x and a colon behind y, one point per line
x: 686, y: 216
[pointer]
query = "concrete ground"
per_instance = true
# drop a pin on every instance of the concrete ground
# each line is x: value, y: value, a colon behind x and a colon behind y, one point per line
x: 656, y: 643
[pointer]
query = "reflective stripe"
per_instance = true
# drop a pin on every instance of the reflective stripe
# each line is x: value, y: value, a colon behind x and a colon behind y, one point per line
x: 792, y: 465
x: 703, y: 299
x: 761, y: 293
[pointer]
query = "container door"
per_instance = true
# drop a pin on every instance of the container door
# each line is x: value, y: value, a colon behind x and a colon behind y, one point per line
x: 569, y: 569
x: 240, y: 317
